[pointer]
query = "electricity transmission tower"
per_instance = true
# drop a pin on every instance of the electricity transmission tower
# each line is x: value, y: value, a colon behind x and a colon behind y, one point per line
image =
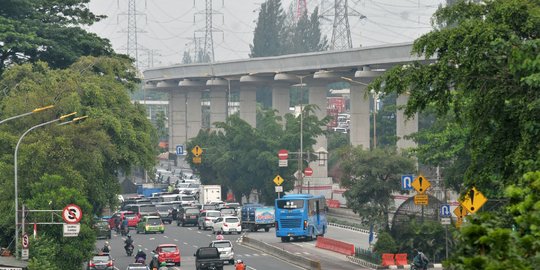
x: 301, y: 8
x: 132, y: 46
x: 341, y: 29
x: 208, y: 47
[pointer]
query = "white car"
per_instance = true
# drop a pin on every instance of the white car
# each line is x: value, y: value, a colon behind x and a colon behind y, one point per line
x: 207, y: 218
x: 227, y: 224
x: 225, y: 248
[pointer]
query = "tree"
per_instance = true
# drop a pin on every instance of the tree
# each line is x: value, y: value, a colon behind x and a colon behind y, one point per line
x: 371, y: 177
x: 160, y: 125
x: 88, y: 157
x: 32, y: 31
x: 487, y: 75
x: 268, y: 35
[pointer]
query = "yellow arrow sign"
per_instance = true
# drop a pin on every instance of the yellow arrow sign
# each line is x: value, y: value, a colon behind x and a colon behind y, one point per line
x: 278, y: 180
x: 460, y: 212
x: 197, y: 150
x: 473, y: 200
x: 421, y: 184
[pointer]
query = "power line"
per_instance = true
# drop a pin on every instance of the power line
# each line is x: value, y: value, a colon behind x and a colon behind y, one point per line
x: 209, y: 29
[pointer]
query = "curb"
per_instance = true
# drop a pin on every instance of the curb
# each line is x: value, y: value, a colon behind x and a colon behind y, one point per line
x: 361, y: 262
x: 281, y: 253
x: 408, y: 266
x: 352, y: 228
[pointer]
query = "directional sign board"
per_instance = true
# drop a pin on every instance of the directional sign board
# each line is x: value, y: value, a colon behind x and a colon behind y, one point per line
x: 278, y: 180
x: 421, y: 184
x: 72, y: 214
x: 473, y: 200
x: 72, y: 230
x: 445, y: 221
x: 421, y: 199
x: 444, y: 211
x: 279, y: 188
x: 196, y: 151
x: 460, y: 212
x: 25, y: 241
x: 406, y: 182
x: 180, y: 150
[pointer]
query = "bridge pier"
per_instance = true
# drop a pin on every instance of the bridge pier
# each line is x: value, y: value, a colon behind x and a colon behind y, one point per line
x: 248, y: 104
x: 405, y: 126
x: 218, y: 101
x: 281, y: 99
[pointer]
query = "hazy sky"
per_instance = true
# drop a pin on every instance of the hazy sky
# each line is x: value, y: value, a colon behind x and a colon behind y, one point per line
x: 168, y: 26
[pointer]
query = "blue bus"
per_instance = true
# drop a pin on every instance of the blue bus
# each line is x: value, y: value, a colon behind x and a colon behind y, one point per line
x: 300, y: 216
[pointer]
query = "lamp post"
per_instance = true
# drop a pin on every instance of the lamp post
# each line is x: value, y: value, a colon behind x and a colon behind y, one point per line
x: 375, y: 98
x: 28, y: 113
x: 16, y: 179
x: 301, y: 155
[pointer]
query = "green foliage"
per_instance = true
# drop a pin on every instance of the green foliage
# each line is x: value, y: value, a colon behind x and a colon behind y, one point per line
x: 71, y: 163
x: 427, y: 235
x: 244, y: 159
x: 371, y: 177
x: 48, y: 31
x: 269, y: 30
x: 385, y: 243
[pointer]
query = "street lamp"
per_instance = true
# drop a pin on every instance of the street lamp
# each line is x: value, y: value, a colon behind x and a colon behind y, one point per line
x: 28, y: 113
x: 16, y: 179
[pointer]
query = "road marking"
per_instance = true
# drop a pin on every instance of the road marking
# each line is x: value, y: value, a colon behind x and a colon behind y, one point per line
x: 165, y: 236
x: 195, y: 246
x: 176, y: 240
x: 152, y: 238
x: 185, y: 243
x: 307, y: 253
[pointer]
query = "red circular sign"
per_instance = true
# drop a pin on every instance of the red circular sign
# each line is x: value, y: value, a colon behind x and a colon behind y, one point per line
x: 308, y: 171
x: 72, y: 214
x: 283, y: 154
x: 25, y: 241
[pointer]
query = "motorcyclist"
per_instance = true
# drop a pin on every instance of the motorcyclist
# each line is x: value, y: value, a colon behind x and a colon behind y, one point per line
x: 140, y: 255
x: 240, y: 265
x: 106, y: 247
x: 420, y: 261
x: 128, y: 242
x: 116, y: 223
x: 125, y: 225
x: 154, y: 264
x: 174, y: 213
x: 219, y: 236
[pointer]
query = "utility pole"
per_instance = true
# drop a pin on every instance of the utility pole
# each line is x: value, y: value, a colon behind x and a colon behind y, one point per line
x: 209, y: 29
x: 132, y: 46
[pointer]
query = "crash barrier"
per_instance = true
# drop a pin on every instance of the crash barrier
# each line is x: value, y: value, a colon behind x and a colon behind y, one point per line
x: 332, y: 203
x: 282, y: 253
x: 401, y: 258
x: 335, y: 245
x: 387, y: 259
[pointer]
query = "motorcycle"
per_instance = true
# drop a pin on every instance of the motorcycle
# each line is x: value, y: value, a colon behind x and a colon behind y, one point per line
x: 140, y: 260
x: 129, y: 250
x: 125, y: 231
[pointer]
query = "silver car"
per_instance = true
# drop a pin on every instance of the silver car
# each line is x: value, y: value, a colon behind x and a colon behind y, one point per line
x: 225, y: 248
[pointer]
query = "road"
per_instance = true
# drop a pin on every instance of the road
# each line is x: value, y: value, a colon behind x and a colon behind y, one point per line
x: 188, y: 240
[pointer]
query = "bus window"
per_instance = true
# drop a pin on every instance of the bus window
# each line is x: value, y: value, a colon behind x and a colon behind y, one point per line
x: 290, y: 204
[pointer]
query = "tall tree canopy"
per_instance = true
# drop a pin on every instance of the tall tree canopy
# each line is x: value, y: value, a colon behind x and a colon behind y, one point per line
x: 487, y: 78
x: 268, y: 35
x: 71, y: 163
x: 32, y: 30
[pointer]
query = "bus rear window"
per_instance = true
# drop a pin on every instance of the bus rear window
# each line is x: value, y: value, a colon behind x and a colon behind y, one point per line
x: 290, y: 204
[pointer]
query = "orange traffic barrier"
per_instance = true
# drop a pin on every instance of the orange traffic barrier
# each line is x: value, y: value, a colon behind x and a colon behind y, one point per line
x: 335, y: 245
x: 388, y: 259
x: 401, y: 259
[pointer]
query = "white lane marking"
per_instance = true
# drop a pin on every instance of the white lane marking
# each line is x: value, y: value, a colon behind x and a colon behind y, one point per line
x: 195, y: 246
x: 249, y: 267
x: 152, y: 238
x: 307, y: 253
x: 175, y: 240
x: 298, y: 253
x: 165, y: 236
x: 185, y: 243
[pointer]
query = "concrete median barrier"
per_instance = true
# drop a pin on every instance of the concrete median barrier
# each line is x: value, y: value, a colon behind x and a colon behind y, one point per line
x: 281, y: 253
x: 335, y: 245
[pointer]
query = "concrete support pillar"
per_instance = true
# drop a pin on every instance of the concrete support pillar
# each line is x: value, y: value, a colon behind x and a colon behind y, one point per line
x: 218, y: 105
x: 281, y: 99
x: 177, y: 118
x: 317, y: 96
x: 194, y: 112
x: 248, y: 105
x: 360, y: 128
x: 404, y: 126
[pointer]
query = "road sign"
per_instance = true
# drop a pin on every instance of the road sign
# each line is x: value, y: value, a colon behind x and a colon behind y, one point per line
x: 460, y: 212
x: 283, y: 154
x: 197, y: 150
x: 308, y: 171
x: 25, y: 241
x: 459, y: 221
x: 197, y: 160
x: 180, y: 150
x: 279, y: 188
x: 445, y: 221
x: 473, y: 200
x: 406, y: 182
x: 283, y: 163
x: 278, y: 180
x: 421, y: 199
x: 444, y: 211
x: 72, y: 214
x: 421, y: 184
x: 25, y: 253
x: 71, y: 230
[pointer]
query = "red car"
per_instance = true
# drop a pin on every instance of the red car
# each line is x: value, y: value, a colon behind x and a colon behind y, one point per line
x: 132, y: 218
x: 168, y: 253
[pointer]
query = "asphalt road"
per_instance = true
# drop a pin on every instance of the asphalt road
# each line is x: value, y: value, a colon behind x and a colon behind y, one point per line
x: 329, y: 260
x: 188, y: 240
